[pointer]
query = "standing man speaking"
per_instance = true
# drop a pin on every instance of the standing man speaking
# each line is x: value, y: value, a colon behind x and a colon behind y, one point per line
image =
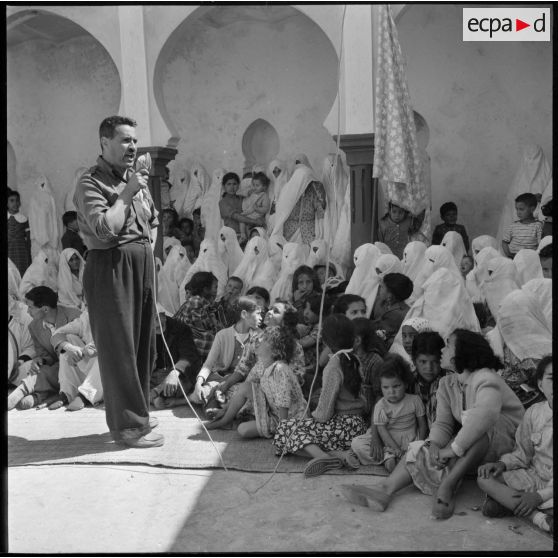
x: 117, y: 218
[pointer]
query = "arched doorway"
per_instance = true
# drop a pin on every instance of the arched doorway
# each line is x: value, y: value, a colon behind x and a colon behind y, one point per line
x: 260, y: 144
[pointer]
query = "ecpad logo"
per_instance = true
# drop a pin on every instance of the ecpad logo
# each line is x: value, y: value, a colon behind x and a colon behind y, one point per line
x: 506, y: 24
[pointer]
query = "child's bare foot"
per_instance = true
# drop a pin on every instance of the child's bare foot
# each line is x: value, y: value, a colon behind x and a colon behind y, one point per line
x: 389, y: 464
x: 361, y: 495
x: 444, y: 502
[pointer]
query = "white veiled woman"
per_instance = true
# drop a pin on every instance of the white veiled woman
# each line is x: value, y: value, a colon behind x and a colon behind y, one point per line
x: 528, y: 265
x: 254, y: 258
x: 43, y: 217
x: 210, y: 214
x: 170, y: 277
x: 279, y: 176
x: 413, y: 259
x: 479, y: 273
x: 229, y: 249
x: 453, y: 241
x: 40, y: 272
x: 501, y: 280
x: 445, y: 304
x: 180, y: 184
x: 318, y: 256
x: 483, y: 241
x: 386, y: 263
x: 208, y: 260
x: 70, y: 278
x: 364, y: 258
x: 294, y: 255
x: 541, y: 291
x: 383, y: 247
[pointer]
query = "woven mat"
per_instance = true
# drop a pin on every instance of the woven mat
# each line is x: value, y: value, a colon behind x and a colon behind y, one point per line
x: 55, y: 437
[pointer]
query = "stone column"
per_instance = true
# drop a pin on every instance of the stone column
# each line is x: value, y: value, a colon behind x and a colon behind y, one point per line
x: 160, y: 158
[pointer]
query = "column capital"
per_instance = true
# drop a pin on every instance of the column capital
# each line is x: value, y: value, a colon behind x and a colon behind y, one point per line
x: 359, y: 148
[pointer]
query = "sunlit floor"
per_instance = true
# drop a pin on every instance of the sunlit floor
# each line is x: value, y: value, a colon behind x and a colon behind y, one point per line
x: 138, y: 509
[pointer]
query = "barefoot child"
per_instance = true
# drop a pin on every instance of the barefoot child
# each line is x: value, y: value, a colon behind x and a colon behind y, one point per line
x: 521, y: 482
x: 398, y: 416
x: 257, y: 204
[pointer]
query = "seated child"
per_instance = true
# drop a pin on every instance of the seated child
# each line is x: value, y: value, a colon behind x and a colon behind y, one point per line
x: 170, y: 223
x: 448, y: 213
x: 467, y: 264
x: 186, y: 227
x: 198, y: 231
x: 545, y: 256
x: 410, y: 328
x: 225, y: 306
x: 71, y: 238
x: 351, y: 305
x: 262, y: 298
x: 398, y: 416
x: 427, y: 354
x: 308, y: 340
x: 521, y: 482
x: 370, y: 350
x: 256, y: 205
x: 19, y: 240
x: 393, y: 229
x: 526, y: 232
x: 305, y: 282
x: 320, y: 271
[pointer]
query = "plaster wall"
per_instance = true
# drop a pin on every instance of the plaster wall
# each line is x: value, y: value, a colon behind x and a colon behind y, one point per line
x: 56, y: 97
x: 220, y: 72
x: 482, y: 101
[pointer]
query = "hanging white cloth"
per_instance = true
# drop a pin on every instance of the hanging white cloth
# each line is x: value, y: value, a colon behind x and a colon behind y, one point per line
x: 229, y: 249
x: 70, y: 287
x: 478, y: 274
x: 435, y: 257
x: 255, y: 255
x: 386, y: 263
x: 43, y: 217
x: 290, y: 194
x: 208, y: 260
x: 210, y: 213
x: 294, y: 255
x: 69, y: 199
x: 541, y: 291
x: 524, y: 326
x: 528, y: 265
x: 453, y: 241
x: 341, y: 247
x: 445, y: 304
x: 413, y: 259
x: 335, y: 179
x: 40, y: 272
x: 532, y: 176
x: 14, y: 279
x: 170, y: 277
x: 364, y: 258
x: 483, y: 241
x: 502, y: 279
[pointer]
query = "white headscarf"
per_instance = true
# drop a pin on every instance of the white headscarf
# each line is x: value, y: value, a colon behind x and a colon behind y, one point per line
x: 501, y: 280
x: 386, y: 263
x: 43, y: 217
x: 69, y: 199
x: 528, y: 265
x: 545, y: 241
x: 70, y: 287
x: 341, y: 247
x: 302, y: 161
x: 199, y: 184
x: 170, y: 277
x: 335, y: 179
x: 261, y: 232
x: 169, y: 242
x: 290, y: 194
x: 445, y: 304
x: 180, y: 180
x: 413, y: 259
x: 210, y: 213
x: 318, y: 256
x: 364, y: 258
x: 294, y: 255
x: 483, y: 241
x: 523, y: 326
x: 419, y: 325
x: 255, y: 256
x: 478, y: 274
x: 453, y: 241
x: 435, y: 257
x: 229, y: 249
x: 14, y: 279
x: 541, y: 291
x: 208, y: 260
x: 277, y: 182
x: 40, y: 272
x: 532, y: 176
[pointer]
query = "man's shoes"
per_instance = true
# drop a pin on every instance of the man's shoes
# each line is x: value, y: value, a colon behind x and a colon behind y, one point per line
x: 149, y: 440
x: 16, y: 396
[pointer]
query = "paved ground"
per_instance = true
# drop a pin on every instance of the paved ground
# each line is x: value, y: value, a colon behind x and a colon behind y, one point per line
x: 120, y: 508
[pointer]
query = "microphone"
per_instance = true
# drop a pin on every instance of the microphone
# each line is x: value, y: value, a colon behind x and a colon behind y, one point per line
x: 143, y: 162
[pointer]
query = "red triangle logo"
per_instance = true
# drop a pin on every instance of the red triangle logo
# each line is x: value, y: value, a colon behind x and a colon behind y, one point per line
x: 519, y: 25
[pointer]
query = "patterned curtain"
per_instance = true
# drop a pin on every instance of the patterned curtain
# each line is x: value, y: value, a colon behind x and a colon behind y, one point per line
x: 397, y: 161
